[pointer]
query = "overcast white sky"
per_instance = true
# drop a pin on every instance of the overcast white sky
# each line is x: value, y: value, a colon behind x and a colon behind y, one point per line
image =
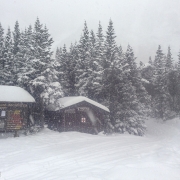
x: 144, y: 24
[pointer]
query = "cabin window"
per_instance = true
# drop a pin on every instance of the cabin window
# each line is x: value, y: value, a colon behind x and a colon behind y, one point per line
x: 83, y: 120
x: 3, y: 113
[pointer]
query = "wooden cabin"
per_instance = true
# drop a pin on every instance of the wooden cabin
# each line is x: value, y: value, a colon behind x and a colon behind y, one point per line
x: 76, y: 114
x: 15, y: 107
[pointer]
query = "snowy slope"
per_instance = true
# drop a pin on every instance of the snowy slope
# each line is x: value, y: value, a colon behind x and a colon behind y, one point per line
x: 71, y: 155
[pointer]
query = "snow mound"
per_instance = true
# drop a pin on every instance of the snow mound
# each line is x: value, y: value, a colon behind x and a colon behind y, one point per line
x: 14, y: 94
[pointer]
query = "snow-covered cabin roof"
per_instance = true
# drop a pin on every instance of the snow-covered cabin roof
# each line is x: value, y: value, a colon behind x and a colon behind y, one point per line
x: 14, y: 94
x: 69, y: 101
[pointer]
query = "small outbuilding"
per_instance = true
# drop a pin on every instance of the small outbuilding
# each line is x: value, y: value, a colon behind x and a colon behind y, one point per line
x: 15, y: 108
x: 76, y: 113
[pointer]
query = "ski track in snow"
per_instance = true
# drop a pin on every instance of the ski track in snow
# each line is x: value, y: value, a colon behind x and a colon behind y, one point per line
x: 71, y: 155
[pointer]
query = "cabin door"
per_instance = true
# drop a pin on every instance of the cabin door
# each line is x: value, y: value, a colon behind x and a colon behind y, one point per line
x: 70, y: 121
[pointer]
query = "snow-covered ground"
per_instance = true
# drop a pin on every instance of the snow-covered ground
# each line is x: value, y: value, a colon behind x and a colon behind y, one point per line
x: 52, y: 155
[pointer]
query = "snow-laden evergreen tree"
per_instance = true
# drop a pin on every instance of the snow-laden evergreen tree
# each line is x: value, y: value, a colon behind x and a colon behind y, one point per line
x: 7, y: 77
x: 97, y: 45
x: 58, y: 57
x: 92, y: 43
x: 57, y: 53
x: 178, y: 66
x: 158, y: 61
x: 175, y: 86
x: 94, y: 81
x: 161, y: 102
x: 16, y: 38
x: 169, y: 60
x: 83, y: 63
x: 110, y: 47
x: 64, y: 63
x: 150, y: 61
x: 1, y: 46
x: 161, y: 99
x: 41, y: 76
x: 46, y: 85
x: 42, y: 41
x: 110, y: 55
x: 71, y: 71
x: 126, y: 113
x: 30, y: 49
x: 173, y: 89
x: 136, y: 80
x: 16, y: 57
x: 1, y: 52
x: 23, y: 62
x: 130, y: 114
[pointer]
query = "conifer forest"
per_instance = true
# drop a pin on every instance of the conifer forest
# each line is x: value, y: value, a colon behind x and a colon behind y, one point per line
x: 94, y: 66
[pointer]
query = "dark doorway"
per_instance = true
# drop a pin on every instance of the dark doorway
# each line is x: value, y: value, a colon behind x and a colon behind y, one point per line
x: 70, y: 121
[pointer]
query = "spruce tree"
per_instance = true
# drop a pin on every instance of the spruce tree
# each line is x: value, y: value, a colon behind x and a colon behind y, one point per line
x: 161, y: 99
x: 71, y: 71
x: 178, y: 66
x: 42, y: 41
x: 129, y: 114
x: 169, y: 60
x: 43, y: 83
x: 1, y: 52
x: 99, y: 46
x: 16, y: 38
x: 7, y: 77
x: 1, y: 46
x: 83, y: 63
x: 110, y: 78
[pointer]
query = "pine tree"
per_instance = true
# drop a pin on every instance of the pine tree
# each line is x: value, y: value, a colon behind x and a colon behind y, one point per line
x: 150, y: 61
x: 16, y: 53
x: 99, y: 46
x: 97, y: 69
x: 109, y: 71
x: 130, y: 113
x: 30, y: 43
x: 169, y: 60
x: 42, y: 41
x: 178, y: 66
x: 158, y: 62
x: 23, y: 62
x: 161, y: 99
x: 135, y: 78
x: 1, y: 48
x: 7, y: 77
x: 64, y: 63
x: 92, y: 42
x: 110, y: 47
x: 16, y: 38
x: 83, y: 63
x: 1, y: 42
x: 43, y: 78
x: 71, y: 71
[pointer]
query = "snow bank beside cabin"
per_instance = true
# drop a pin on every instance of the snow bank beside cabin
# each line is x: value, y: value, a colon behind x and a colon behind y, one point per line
x: 73, y: 155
